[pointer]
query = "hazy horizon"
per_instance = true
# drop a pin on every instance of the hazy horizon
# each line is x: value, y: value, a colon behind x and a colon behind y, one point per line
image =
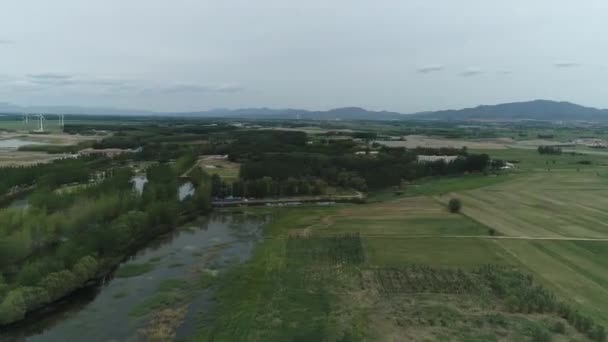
x: 95, y: 110
x: 401, y: 56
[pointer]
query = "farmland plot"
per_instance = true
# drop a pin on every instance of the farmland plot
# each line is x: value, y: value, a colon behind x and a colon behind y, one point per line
x: 562, y: 220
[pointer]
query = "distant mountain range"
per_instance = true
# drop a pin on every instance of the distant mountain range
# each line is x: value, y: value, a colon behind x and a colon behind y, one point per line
x: 530, y: 110
x: 347, y: 113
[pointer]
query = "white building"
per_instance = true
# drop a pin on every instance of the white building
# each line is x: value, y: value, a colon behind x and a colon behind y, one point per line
x: 432, y: 159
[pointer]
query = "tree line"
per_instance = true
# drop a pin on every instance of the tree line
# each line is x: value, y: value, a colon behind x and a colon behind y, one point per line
x: 53, y: 174
x: 385, y: 169
x: 66, y: 239
x: 549, y: 150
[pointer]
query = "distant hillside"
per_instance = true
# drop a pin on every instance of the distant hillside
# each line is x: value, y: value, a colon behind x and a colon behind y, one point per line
x: 532, y: 110
x: 347, y: 113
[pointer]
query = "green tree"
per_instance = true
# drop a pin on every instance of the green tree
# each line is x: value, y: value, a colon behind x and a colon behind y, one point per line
x: 34, y: 297
x: 85, y: 269
x: 12, y: 307
x: 455, y: 205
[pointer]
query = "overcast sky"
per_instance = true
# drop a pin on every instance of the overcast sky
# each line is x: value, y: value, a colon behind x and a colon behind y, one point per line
x: 400, y: 55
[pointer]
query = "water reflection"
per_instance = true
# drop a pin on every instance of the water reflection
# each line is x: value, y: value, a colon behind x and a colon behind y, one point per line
x: 185, y: 189
x: 138, y: 183
x: 102, y: 312
x: 16, y: 143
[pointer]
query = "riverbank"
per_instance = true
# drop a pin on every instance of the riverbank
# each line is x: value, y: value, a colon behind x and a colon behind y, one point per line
x: 168, y: 298
x: 35, y: 299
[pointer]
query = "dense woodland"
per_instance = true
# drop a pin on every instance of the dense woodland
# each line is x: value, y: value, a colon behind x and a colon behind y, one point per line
x: 277, y: 163
x: 54, y: 174
x: 65, y: 239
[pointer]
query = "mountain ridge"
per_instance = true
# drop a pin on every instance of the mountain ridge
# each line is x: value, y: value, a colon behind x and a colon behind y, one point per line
x: 546, y: 110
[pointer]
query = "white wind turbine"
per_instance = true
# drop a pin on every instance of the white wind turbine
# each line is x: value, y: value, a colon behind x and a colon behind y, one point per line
x: 40, y: 123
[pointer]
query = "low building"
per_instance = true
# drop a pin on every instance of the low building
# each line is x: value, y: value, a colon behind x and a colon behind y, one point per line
x: 432, y: 159
x: 215, y: 157
x: 508, y: 166
x: 361, y: 153
x: 592, y: 142
x: 108, y: 152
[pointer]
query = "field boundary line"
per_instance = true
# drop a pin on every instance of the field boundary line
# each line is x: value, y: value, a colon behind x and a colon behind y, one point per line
x: 487, y: 237
x: 533, y: 238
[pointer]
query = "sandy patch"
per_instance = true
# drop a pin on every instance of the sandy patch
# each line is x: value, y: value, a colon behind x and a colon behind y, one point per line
x: 413, y: 141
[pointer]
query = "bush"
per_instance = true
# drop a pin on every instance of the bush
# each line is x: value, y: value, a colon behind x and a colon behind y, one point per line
x: 455, y: 205
x: 598, y: 334
x: 559, y: 328
x: 34, y: 297
x: 549, y: 150
x: 3, y: 286
x: 12, y: 307
x: 85, y: 269
x: 541, y: 335
x: 59, y: 284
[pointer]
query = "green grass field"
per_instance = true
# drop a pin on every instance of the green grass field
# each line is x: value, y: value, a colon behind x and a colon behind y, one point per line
x: 227, y: 170
x: 531, y: 160
x: 308, y: 281
x: 562, y: 217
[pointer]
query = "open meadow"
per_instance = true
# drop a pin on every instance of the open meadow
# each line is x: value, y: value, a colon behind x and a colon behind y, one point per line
x: 225, y: 169
x: 406, y: 268
x: 554, y: 223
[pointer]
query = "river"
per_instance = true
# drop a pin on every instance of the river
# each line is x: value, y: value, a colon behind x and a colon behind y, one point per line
x: 16, y: 143
x: 104, y: 312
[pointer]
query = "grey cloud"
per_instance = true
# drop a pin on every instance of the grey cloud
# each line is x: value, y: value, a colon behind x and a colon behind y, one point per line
x: 183, y: 88
x: 565, y: 64
x: 470, y: 72
x: 65, y: 82
x: 195, y: 88
x: 109, y: 85
x: 49, y: 76
x: 230, y: 88
x: 285, y: 62
x: 429, y: 68
x: 51, y: 79
x: 103, y: 82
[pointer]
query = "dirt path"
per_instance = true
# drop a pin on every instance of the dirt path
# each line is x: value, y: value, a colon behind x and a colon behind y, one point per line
x: 485, y: 237
x: 197, y: 164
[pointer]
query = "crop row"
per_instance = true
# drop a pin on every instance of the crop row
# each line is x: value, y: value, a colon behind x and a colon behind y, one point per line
x: 334, y: 250
x: 419, y: 279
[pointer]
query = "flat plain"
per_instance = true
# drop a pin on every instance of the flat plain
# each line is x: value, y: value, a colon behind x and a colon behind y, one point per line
x: 549, y: 224
x: 555, y: 224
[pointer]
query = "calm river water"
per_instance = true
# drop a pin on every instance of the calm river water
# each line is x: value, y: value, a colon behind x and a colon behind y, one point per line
x: 104, y: 312
x: 16, y: 143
